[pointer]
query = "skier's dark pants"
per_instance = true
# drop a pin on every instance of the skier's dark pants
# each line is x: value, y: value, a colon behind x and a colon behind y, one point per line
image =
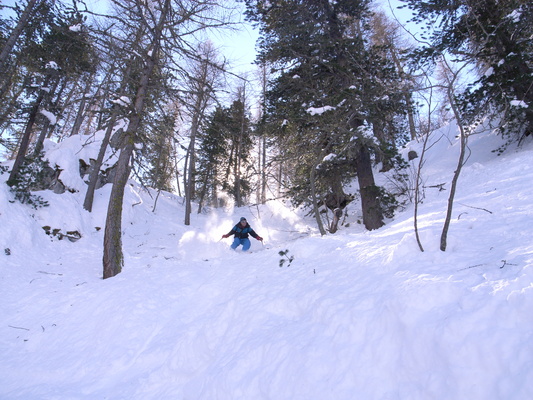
x: 237, y: 242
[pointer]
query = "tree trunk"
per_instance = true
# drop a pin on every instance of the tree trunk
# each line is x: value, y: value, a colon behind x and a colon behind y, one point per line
x: 95, y: 170
x: 337, y: 214
x: 238, y: 158
x: 81, y: 111
x: 45, y: 130
x: 26, y: 137
x: 418, y: 184
x: 372, y: 213
x: 189, y: 188
x: 463, y: 142
x: 203, y: 192
x: 113, y: 259
x: 189, y: 183
x: 315, y: 201
x: 263, y: 140
x: 263, y: 172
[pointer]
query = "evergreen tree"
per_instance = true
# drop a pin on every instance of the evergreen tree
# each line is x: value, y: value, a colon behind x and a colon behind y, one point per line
x: 496, y: 36
x: 202, y: 82
x: 329, y: 98
x: 158, y: 153
x: 223, y: 154
x: 213, y: 155
x: 57, y: 60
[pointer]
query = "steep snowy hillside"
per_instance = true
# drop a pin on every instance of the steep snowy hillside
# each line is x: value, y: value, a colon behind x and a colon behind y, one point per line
x: 355, y: 315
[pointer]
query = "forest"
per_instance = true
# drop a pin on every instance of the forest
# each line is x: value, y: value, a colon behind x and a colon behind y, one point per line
x: 337, y: 88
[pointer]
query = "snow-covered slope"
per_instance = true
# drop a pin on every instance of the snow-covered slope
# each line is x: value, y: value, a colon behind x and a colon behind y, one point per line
x: 355, y: 315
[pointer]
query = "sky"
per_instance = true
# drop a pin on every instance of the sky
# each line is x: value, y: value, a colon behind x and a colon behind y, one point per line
x: 354, y: 315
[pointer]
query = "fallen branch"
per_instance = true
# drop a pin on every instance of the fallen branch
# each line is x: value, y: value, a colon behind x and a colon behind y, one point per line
x: 440, y: 186
x: 476, y: 208
x: 18, y: 327
x: 506, y: 263
x: 472, y: 266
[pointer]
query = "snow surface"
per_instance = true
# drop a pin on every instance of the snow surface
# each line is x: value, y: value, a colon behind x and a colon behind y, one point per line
x: 356, y: 315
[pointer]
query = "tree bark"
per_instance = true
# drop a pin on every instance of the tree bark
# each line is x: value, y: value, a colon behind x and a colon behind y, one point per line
x: 199, y: 109
x: 315, y: 201
x: 264, y: 171
x: 372, y: 213
x: 81, y: 110
x: 26, y: 137
x: 113, y: 259
x: 95, y: 170
x: 238, y: 160
x: 460, y: 162
x: 45, y: 130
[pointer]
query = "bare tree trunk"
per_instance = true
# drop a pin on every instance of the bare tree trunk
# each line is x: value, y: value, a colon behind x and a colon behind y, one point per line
x: 410, y: 116
x: 280, y: 177
x: 203, y: 192
x: 263, y: 167
x: 95, y: 170
x: 418, y: 184
x: 81, y: 110
x: 263, y: 172
x: 45, y: 130
x: 202, y: 80
x: 186, y: 171
x: 190, y: 181
x: 372, y: 213
x: 176, y: 168
x: 238, y: 160
x: 189, y: 187
x: 26, y: 137
x: 113, y: 259
x: 450, y: 78
x: 407, y: 93
x: 315, y: 201
x: 418, y: 178
x: 460, y: 162
x: 337, y: 214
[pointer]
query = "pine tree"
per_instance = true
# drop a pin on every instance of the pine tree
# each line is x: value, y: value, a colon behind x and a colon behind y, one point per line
x: 201, y: 85
x: 55, y: 61
x: 331, y: 91
x: 223, y: 154
x: 213, y: 155
x: 494, y: 35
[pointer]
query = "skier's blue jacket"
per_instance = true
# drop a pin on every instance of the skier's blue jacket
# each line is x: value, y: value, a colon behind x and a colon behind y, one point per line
x: 242, y: 233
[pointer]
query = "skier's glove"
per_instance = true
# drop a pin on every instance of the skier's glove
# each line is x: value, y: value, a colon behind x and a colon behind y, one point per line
x: 259, y: 238
x: 225, y: 236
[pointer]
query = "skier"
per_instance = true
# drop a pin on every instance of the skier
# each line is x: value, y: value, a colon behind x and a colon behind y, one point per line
x: 240, y: 232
